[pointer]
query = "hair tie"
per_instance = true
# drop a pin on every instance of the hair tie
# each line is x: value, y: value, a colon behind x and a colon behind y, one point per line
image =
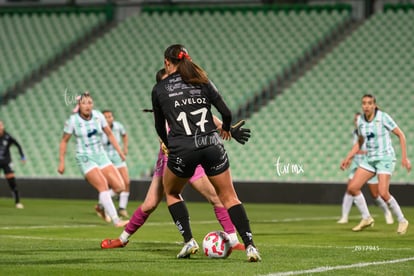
x: 183, y: 54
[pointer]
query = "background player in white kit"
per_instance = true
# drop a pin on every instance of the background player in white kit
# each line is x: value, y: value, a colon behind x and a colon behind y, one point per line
x: 348, y: 199
x: 374, y: 129
x: 122, y: 138
x: 88, y: 126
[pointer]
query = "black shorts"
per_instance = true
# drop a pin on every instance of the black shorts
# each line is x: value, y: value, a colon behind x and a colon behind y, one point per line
x: 6, y: 167
x: 184, y: 156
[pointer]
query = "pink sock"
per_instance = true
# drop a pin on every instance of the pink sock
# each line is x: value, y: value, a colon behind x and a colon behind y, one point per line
x: 138, y: 219
x: 224, y: 219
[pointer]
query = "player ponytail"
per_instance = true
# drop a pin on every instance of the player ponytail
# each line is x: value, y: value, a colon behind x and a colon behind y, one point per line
x: 190, y: 72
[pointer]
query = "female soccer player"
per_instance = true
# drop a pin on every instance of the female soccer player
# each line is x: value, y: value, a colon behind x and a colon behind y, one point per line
x: 198, y: 181
x: 88, y: 125
x: 374, y: 130
x: 122, y: 138
x: 348, y: 199
x: 6, y: 140
x: 184, y: 99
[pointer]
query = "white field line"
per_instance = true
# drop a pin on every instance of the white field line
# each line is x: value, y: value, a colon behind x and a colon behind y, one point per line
x: 166, y: 223
x: 76, y: 239
x: 49, y: 226
x: 340, y: 267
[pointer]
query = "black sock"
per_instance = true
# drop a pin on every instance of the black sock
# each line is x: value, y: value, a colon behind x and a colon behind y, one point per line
x: 13, y: 188
x: 241, y: 222
x: 181, y: 219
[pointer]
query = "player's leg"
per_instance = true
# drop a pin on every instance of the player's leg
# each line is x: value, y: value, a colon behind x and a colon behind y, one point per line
x: 11, y: 180
x: 347, y: 201
x: 383, y: 187
x: 152, y: 199
x: 173, y: 185
x: 224, y: 186
x: 113, y: 177
x: 361, y: 176
x: 124, y: 195
x: 200, y: 183
x: 98, y: 180
x: 385, y: 169
x: 373, y: 189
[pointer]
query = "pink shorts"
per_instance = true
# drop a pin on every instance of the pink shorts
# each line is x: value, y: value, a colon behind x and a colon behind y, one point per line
x: 162, y: 163
x: 198, y: 173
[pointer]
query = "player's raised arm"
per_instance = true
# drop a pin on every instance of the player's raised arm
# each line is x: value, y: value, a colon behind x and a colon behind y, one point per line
x: 62, y: 152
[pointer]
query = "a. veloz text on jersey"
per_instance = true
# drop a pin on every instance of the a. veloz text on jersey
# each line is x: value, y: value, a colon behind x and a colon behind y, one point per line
x: 189, y: 101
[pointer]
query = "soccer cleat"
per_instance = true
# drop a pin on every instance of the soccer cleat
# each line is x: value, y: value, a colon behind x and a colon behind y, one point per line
x: 342, y: 221
x: 19, y: 206
x: 123, y: 213
x: 109, y: 243
x: 121, y: 223
x: 100, y: 211
x: 402, y: 227
x: 189, y: 248
x: 364, y: 224
x: 388, y: 218
x: 238, y: 246
x: 252, y: 254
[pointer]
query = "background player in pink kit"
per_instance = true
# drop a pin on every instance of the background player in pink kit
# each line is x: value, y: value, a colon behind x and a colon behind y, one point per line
x: 198, y: 181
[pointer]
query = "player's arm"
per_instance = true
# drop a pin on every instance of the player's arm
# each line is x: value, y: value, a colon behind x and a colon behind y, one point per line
x: 237, y: 132
x: 19, y: 148
x: 403, y: 143
x: 217, y: 122
x: 226, y: 117
x: 220, y: 105
x: 159, y: 119
x: 114, y: 142
x: 62, y: 151
x: 125, y: 143
x: 355, y: 148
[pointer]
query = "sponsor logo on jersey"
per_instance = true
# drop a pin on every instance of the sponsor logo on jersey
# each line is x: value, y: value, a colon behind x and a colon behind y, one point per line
x: 172, y: 87
x: 195, y: 92
x: 175, y: 94
x: 177, y: 79
x: 91, y: 133
x: 370, y: 135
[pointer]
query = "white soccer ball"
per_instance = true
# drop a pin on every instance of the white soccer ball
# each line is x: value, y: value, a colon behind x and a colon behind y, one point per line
x: 216, y: 244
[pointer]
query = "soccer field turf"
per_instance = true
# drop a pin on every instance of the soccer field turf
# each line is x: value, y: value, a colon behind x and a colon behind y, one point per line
x: 62, y: 237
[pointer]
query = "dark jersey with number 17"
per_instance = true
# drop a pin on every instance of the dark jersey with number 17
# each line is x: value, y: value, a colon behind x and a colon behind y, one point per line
x: 187, y: 108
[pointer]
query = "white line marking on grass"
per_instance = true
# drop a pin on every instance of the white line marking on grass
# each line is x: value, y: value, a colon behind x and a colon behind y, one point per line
x: 46, y: 238
x: 340, y: 267
x: 48, y: 226
x: 164, y: 223
x: 79, y: 239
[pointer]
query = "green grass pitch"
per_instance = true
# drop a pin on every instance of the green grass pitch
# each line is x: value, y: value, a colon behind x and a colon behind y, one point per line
x: 62, y: 237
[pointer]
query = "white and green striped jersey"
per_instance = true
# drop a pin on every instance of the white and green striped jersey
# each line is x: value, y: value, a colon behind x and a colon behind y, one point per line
x: 88, y: 133
x: 377, y: 135
x: 118, y: 131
